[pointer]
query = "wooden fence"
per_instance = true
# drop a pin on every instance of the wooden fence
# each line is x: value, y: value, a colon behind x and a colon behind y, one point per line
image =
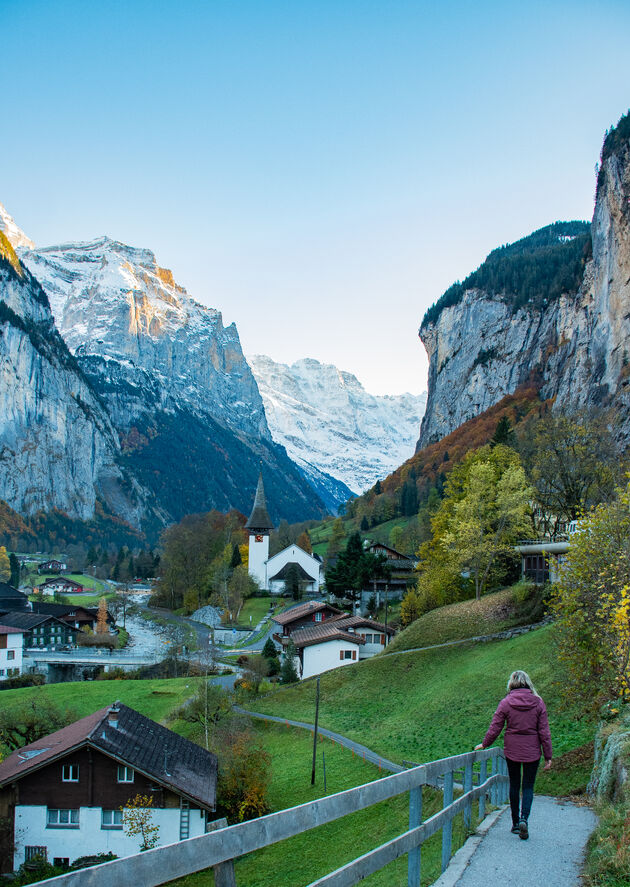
x: 218, y: 849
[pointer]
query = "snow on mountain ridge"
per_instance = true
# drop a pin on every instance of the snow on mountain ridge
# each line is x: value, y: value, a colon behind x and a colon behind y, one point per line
x: 15, y: 235
x: 114, y: 303
x: 326, y: 420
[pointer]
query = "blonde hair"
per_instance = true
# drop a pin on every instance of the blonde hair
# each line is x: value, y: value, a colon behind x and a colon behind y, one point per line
x: 520, y: 679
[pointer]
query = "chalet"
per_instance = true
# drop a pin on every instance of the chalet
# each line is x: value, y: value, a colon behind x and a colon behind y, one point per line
x: 11, y: 598
x: 41, y: 629
x: 541, y: 559
x: 53, y: 566
x: 303, y: 615
x: 326, y: 637
x: 63, y: 794
x: 11, y: 643
x: 59, y: 585
x: 79, y: 617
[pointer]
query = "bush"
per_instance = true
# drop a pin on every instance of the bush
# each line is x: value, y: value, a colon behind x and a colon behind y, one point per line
x: 23, y: 680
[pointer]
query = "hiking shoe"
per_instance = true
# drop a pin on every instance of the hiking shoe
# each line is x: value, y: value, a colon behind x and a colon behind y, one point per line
x: 515, y: 830
x: 523, y: 831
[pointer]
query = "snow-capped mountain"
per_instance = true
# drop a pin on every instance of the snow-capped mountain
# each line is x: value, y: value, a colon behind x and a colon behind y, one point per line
x: 142, y: 338
x: 329, y: 423
x: 15, y: 235
x: 183, y: 407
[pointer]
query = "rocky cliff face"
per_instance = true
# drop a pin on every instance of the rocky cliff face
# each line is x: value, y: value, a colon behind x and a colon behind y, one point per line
x: 331, y: 425
x: 58, y: 448
x: 484, y: 342
x: 143, y: 342
x: 173, y: 379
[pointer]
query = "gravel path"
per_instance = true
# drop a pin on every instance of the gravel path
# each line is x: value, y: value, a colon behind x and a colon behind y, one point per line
x: 552, y: 855
x: 361, y: 750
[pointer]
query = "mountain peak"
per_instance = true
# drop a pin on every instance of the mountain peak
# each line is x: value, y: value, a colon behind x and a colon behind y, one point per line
x: 14, y: 235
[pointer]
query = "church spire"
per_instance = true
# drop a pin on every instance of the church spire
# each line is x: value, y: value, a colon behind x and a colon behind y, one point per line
x: 259, y: 520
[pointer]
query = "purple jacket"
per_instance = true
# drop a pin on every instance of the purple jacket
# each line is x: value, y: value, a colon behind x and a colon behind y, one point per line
x: 527, y: 726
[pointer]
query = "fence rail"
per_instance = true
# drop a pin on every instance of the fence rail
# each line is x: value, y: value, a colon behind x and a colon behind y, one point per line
x: 218, y: 849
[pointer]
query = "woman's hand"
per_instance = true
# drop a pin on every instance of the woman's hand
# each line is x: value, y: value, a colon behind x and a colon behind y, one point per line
x: 547, y: 765
x: 477, y: 747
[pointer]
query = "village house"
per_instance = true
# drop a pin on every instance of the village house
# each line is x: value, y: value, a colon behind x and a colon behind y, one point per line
x: 52, y: 566
x: 63, y: 793
x: 40, y: 629
x: 78, y: 616
x: 325, y: 637
x: 11, y: 644
x: 59, y: 585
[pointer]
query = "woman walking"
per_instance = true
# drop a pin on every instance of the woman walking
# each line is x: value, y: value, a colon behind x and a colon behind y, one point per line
x: 526, y: 732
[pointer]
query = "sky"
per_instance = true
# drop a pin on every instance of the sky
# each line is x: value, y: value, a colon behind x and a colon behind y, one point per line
x: 318, y: 171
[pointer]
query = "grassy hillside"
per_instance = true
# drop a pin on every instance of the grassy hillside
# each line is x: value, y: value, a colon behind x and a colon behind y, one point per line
x: 465, y: 619
x: 431, y: 704
x: 156, y: 699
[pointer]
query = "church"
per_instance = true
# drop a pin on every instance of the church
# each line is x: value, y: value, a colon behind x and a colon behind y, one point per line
x: 272, y: 572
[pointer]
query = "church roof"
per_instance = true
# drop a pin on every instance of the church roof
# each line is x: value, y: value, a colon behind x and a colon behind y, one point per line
x: 284, y: 572
x: 259, y: 518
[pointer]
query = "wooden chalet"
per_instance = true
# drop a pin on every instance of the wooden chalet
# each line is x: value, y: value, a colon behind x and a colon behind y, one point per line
x: 59, y: 585
x: 41, y: 629
x: 63, y: 794
x: 305, y: 614
x: 52, y: 566
x: 80, y: 617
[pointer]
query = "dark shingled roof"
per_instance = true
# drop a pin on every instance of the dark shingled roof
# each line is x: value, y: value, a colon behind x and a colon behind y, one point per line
x: 134, y: 740
x: 324, y: 631
x: 27, y: 620
x: 358, y: 622
x: 61, y: 610
x: 259, y: 518
x: 303, y: 610
x: 283, y: 573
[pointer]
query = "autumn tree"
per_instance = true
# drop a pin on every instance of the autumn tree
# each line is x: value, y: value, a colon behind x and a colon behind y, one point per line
x: 101, y: 618
x: 5, y: 565
x: 138, y: 821
x: 338, y: 534
x: 484, y: 511
x: 410, y: 608
x: 25, y: 722
x: 304, y: 541
x: 591, y: 603
x: 244, y: 777
x: 573, y: 462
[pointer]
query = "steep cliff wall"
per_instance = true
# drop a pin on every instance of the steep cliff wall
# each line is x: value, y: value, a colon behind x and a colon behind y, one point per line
x: 58, y: 448
x: 541, y: 309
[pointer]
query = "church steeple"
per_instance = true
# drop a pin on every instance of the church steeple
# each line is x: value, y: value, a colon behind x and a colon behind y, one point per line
x: 259, y: 520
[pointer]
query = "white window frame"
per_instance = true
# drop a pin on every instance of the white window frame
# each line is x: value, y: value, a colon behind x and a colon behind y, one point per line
x: 10, y: 654
x: 70, y: 773
x: 124, y: 773
x: 111, y: 819
x: 62, y: 817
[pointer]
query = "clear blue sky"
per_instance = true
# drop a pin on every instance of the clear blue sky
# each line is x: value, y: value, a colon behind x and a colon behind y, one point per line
x: 318, y: 171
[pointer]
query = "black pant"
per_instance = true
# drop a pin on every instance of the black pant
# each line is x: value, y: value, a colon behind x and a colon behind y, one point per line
x: 529, y: 777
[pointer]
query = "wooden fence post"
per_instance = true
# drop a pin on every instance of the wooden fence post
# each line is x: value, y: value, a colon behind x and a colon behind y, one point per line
x: 447, y: 828
x: 415, y: 818
x: 494, y: 798
x: 468, y: 784
x: 483, y: 770
x: 224, y: 872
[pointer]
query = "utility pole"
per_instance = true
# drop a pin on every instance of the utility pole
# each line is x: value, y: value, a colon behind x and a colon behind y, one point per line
x: 386, y: 590
x: 315, y: 732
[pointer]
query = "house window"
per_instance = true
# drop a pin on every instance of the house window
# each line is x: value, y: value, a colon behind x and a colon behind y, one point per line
x: 62, y: 861
x: 111, y: 819
x: 1, y: 672
x: 10, y: 654
x: 62, y: 818
x: 70, y: 773
x: 125, y: 774
x: 368, y: 638
x: 347, y: 654
x: 31, y: 853
x: 319, y: 617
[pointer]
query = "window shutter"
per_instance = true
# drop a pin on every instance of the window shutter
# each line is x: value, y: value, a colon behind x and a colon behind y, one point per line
x: 382, y: 640
x: 354, y: 654
x: 341, y: 654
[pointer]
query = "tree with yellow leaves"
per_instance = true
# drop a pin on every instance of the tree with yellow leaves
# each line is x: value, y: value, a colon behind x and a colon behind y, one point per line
x: 138, y: 821
x: 591, y: 603
x: 5, y: 565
